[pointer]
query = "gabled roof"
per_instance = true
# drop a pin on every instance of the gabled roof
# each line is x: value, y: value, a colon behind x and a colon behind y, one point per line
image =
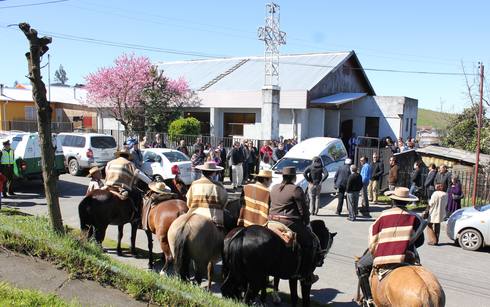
x: 69, y: 95
x: 297, y: 72
x: 454, y: 154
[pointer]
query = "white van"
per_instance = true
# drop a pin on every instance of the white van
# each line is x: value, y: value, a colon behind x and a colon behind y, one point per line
x: 331, y: 151
x: 27, y: 153
x: 85, y: 150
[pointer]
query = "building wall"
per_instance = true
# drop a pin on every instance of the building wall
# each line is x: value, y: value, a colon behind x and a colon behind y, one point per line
x: 316, y: 122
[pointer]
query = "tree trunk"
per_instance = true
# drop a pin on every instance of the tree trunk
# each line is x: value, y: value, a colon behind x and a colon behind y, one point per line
x: 37, y: 47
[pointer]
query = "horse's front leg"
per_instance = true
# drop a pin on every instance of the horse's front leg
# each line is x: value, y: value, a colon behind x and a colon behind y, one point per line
x: 134, y: 228
x: 305, y: 293
x: 276, y: 299
x: 120, y: 229
x: 293, y: 289
x: 210, y: 274
x: 150, y: 249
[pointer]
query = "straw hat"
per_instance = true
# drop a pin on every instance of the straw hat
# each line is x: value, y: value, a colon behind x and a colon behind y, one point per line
x: 401, y: 193
x: 209, y: 166
x: 159, y: 187
x: 93, y: 170
x: 264, y: 173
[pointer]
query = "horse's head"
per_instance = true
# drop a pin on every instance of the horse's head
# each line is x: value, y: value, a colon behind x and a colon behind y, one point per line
x: 325, y: 237
x: 231, y: 213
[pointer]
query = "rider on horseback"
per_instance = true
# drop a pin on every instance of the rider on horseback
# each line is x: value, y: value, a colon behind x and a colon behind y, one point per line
x: 206, y: 196
x: 393, y: 239
x: 288, y: 206
x: 256, y: 201
x: 121, y: 174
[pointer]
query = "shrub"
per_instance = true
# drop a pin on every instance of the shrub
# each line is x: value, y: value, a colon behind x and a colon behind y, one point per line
x: 184, y: 126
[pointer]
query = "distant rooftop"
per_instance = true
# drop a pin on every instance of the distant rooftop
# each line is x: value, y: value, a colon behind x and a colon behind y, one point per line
x: 454, y: 154
x: 60, y: 94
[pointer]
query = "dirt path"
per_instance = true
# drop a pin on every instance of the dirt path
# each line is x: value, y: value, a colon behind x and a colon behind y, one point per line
x: 33, y: 273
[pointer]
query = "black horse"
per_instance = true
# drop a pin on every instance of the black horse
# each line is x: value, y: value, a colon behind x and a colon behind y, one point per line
x: 253, y: 253
x: 101, y: 208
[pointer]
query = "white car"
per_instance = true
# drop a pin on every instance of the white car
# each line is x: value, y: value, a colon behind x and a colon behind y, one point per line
x: 470, y: 227
x: 331, y: 151
x: 164, y: 163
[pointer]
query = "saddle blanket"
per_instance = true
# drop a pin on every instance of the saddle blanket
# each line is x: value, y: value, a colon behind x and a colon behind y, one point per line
x: 283, y: 231
x: 149, y: 203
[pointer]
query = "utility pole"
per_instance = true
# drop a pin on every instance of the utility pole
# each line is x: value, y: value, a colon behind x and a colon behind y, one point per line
x: 480, y: 112
x: 273, y: 37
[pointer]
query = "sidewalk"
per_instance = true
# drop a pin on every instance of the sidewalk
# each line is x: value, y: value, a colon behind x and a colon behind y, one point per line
x: 33, y: 273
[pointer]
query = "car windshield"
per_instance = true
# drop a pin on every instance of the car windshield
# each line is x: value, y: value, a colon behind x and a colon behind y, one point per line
x: 176, y: 156
x: 15, y: 141
x: 103, y: 142
x: 300, y: 164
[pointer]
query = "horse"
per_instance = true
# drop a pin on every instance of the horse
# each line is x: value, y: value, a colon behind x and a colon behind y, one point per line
x: 246, y: 268
x: 101, y: 208
x: 195, y: 238
x: 407, y: 286
x: 161, y: 216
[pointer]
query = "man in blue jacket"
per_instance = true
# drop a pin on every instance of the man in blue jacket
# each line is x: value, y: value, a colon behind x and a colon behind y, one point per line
x: 366, y: 172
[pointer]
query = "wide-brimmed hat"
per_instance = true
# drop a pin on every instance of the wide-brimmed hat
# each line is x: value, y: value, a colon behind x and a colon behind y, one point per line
x: 264, y: 173
x: 289, y: 171
x: 123, y: 153
x: 159, y: 187
x: 210, y: 166
x: 93, y: 170
x: 7, y: 142
x: 401, y: 193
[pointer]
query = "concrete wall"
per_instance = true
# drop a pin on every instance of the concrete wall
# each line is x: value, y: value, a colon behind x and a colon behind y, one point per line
x: 331, y: 124
x: 249, y: 99
x: 316, y: 122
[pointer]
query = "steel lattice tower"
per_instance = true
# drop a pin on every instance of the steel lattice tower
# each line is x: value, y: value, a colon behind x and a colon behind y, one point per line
x: 273, y: 37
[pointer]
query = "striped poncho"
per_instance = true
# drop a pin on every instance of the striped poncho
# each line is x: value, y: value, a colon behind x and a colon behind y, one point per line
x: 390, y: 235
x: 255, y: 207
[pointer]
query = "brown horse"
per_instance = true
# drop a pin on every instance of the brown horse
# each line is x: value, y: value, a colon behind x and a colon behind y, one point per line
x: 408, y: 286
x: 160, y: 218
x: 195, y: 238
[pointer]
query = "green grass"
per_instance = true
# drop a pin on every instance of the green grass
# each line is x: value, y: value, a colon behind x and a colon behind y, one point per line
x: 84, y: 259
x: 11, y: 296
x: 437, y: 120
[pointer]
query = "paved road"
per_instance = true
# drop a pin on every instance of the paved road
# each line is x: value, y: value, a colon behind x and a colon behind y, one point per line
x: 464, y: 275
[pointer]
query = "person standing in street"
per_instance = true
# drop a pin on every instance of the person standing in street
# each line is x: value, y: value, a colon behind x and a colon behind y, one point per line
x: 197, y: 159
x: 393, y: 174
x: 378, y: 170
x: 436, y: 211
x: 7, y: 164
x: 135, y: 153
x: 159, y: 142
x: 246, y: 156
x: 354, y: 186
x: 236, y: 158
x: 454, y: 194
x: 443, y: 177
x: 415, y: 179
x: 366, y: 176
x: 266, y: 153
x: 352, y: 145
x: 255, y: 201
x: 183, y: 148
x: 199, y: 145
x: 340, y: 182
x: 314, y: 175
x: 278, y: 153
x: 429, y: 181
x: 222, y: 153
x: 2, y: 181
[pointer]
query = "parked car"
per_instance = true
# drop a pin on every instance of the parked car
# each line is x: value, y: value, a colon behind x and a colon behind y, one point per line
x: 331, y: 151
x: 470, y: 227
x: 85, y: 150
x: 164, y: 163
x: 27, y: 153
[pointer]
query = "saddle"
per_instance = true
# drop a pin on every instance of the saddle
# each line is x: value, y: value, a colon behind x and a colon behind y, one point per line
x: 151, y: 201
x: 283, y: 231
x: 381, y: 272
x: 120, y: 192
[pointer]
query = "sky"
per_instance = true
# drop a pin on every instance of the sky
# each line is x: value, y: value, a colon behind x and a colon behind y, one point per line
x: 423, y: 36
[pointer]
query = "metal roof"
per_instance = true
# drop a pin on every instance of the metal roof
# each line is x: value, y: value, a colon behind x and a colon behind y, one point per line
x: 297, y: 72
x: 65, y: 94
x: 454, y: 154
x: 338, y: 99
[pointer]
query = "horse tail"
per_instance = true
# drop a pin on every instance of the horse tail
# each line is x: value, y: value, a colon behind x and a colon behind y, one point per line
x: 83, y: 213
x: 233, y: 265
x: 181, y: 253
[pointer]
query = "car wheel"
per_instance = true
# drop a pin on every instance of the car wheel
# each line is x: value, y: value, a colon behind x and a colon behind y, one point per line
x: 74, y: 167
x: 158, y: 178
x: 470, y: 239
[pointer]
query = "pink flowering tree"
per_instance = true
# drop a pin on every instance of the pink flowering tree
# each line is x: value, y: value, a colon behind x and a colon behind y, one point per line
x: 137, y: 94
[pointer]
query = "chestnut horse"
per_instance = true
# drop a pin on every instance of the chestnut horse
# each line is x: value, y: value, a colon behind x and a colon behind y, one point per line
x: 160, y: 218
x: 407, y: 286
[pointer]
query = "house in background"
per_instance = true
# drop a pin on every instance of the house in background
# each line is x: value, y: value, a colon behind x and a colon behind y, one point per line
x: 18, y: 110
x: 322, y: 94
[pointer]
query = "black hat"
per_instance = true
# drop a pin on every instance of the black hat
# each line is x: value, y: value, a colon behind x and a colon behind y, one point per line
x: 289, y: 171
x: 7, y: 142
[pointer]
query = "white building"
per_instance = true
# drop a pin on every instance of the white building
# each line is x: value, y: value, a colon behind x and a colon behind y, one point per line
x: 322, y: 94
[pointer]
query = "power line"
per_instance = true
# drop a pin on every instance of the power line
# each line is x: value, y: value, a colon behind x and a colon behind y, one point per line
x: 32, y: 4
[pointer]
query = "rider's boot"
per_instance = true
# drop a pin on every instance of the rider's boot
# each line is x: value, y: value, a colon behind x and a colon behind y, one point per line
x: 366, y: 289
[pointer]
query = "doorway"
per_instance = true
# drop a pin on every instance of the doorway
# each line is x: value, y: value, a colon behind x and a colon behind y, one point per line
x: 346, y: 132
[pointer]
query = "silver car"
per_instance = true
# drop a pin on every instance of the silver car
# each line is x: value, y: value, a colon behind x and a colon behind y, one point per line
x: 470, y: 227
x: 85, y: 150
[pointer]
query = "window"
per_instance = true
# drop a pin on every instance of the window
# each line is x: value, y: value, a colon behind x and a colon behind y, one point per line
x: 300, y: 164
x: 372, y: 127
x: 103, y: 142
x: 30, y: 113
x: 149, y: 156
x: 406, y: 125
x: 411, y: 127
x: 233, y: 122
x: 176, y: 156
x: 66, y: 140
x: 78, y: 141
x: 336, y: 151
